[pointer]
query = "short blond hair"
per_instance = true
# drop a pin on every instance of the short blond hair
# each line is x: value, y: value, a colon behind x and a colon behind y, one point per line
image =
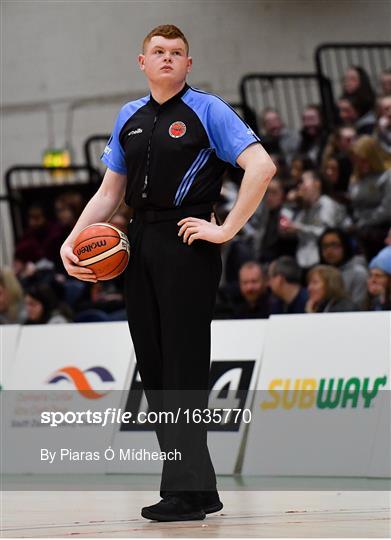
x: 169, y: 31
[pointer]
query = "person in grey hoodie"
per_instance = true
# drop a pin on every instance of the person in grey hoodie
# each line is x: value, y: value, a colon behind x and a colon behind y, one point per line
x: 370, y: 194
x: 318, y: 212
x: 336, y: 249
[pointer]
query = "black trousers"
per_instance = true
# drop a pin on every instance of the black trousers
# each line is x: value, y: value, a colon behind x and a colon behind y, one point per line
x: 170, y: 297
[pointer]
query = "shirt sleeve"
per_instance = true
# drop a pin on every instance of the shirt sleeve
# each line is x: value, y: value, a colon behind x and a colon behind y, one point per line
x: 113, y: 155
x: 228, y: 133
x: 380, y: 214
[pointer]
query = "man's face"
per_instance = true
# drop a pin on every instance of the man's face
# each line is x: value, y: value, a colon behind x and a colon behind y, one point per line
x: 272, y: 124
x: 165, y: 61
x: 252, y: 284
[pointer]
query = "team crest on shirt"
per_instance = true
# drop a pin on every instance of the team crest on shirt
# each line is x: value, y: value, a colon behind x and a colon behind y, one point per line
x: 177, y: 129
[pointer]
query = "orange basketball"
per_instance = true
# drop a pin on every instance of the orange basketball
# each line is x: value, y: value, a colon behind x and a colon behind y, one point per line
x: 103, y: 248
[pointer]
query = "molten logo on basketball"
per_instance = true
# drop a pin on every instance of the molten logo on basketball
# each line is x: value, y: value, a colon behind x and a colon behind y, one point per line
x: 177, y: 129
x: 90, y: 247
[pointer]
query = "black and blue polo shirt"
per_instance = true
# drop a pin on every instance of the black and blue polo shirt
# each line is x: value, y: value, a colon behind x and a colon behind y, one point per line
x: 174, y: 154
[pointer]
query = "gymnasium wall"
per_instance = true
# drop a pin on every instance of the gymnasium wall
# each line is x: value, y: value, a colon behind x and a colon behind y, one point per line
x: 58, y: 53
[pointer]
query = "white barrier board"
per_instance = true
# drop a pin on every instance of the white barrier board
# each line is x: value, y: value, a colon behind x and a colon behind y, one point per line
x: 299, y: 428
x: 236, y: 348
x: 70, y: 367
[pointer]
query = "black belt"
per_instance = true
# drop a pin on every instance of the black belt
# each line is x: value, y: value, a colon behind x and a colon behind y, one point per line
x: 169, y: 214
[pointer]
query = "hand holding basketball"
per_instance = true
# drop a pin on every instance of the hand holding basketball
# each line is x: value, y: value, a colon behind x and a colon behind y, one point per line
x: 100, y: 252
x: 71, y: 265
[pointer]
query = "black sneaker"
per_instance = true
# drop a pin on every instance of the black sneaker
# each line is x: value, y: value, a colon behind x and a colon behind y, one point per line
x: 211, y: 502
x: 172, y: 509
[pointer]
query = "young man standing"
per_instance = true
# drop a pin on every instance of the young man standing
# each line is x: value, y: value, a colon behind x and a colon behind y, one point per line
x: 166, y: 156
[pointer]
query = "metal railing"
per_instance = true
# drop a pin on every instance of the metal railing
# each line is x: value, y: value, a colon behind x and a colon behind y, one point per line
x: 333, y: 59
x: 289, y: 93
x: 93, y: 149
x: 27, y: 184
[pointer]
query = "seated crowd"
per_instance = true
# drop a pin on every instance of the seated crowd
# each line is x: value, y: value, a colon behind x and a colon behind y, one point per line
x: 320, y: 241
x: 37, y: 290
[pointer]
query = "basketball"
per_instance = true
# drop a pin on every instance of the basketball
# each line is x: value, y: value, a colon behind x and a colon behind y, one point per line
x: 103, y: 248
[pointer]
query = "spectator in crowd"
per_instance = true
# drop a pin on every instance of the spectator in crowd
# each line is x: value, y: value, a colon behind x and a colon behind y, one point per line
x: 240, y: 249
x: 43, y: 307
x: 105, y: 297
x: 65, y: 212
x: 313, y: 135
x: 346, y: 136
x: 285, y: 283
x: 383, y: 130
x: 75, y: 200
x: 336, y: 173
x: 370, y: 193
x: 387, y: 239
x: 352, y: 113
x: 379, y: 282
x: 385, y: 82
x: 11, y: 298
x: 66, y: 217
x: 357, y: 84
x: 268, y: 243
x: 39, y: 238
x: 339, y: 143
x: 337, y: 164
x: 282, y: 168
x: 254, y: 302
x: 276, y: 138
x: 326, y: 292
x: 335, y: 248
x: 299, y: 165
x: 119, y: 221
x: 318, y: 212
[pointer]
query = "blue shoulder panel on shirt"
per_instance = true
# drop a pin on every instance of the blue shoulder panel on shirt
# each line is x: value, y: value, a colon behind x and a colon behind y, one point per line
x: 228, y: 134
x: 113, y: 155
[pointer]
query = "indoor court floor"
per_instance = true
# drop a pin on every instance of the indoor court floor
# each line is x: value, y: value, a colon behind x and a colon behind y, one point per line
x: 247, y: 514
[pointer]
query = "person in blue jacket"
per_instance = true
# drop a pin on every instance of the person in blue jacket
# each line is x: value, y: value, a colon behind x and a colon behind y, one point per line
x: 166, y: 156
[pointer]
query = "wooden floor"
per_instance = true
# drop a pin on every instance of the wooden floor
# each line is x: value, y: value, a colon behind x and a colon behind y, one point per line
x: 248, y: 514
